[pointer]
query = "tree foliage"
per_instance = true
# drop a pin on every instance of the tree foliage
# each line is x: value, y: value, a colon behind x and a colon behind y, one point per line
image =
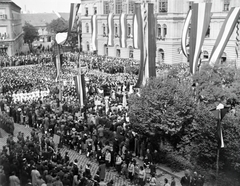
x: 30, y: 34
x: 57, y: 25
x: 181, y: 113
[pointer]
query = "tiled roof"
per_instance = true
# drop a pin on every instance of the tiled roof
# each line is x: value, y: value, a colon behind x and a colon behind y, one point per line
x: 9, y: 1
x: 40, y: 19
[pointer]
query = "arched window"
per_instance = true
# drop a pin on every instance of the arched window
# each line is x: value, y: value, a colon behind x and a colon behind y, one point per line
x: 116, y: 29
x: 87, y: 28
x: 106, y: 49
x: 88, y: 47
x: 130, y: 52
x: 104, y: 29
x: 164, y: 30
x: 159, y: 30
x: 160, y: 55
x: 224, y: 57
x: 129, y: 29
x: 205, y: 55
x: 118, y: 51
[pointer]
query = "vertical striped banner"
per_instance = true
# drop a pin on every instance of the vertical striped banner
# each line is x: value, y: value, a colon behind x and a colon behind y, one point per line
x: 147, y: 42
x: 224, y: 35
x: 73, y: 13
x: 137, y: 27
x: 80, y: 88
x: 123, y: 30
x: 94, y: 32
x: 58, y: 66
x: 201, y: 15
x: 110, y: 29
x: 185, y: 32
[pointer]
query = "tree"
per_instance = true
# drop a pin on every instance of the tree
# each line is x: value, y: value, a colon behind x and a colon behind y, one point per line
x: 30, y: 34
x: 57, y: 25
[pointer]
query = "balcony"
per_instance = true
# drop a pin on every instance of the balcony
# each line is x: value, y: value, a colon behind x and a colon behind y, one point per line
x: 3, y: 16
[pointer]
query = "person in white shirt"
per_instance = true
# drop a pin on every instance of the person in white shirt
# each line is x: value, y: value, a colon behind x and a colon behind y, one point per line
x: 142, y: 176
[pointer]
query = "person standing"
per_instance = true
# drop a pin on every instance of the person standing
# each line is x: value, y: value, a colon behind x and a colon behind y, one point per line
x: 14, y: 180
x: 185, y: 180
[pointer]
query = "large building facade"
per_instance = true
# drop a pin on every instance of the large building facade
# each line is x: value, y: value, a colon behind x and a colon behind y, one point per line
x: 11, y: 33
x: 170, y: 15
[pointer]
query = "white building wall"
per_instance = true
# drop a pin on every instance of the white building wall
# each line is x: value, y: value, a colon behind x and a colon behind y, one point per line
x: 174, y: 20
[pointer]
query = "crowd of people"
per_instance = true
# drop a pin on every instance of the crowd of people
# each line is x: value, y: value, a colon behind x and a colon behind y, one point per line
x: 101, y: 129
x: 25, y: 59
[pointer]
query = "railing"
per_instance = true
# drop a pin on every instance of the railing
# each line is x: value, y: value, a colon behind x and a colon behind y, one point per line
x: 3, y: 16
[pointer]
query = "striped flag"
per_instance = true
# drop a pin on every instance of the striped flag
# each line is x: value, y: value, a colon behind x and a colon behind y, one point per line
x: 224, y: 35
x: 94, y: 32
x: 123, y: 30
x: 219, y: 114
x: 58, y: 67
x: 137, y: 24
x: 146, y: 41
x: 201, y: 15
x: 185, y: 33
x: 73, y: 13
x: 80, y: 88
x: 110, y: 29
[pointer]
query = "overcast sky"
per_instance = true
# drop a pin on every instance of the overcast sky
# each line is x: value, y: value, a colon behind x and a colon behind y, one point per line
x: 40, y: 6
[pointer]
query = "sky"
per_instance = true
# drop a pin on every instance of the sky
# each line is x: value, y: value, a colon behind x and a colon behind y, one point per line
x: 41, y: 6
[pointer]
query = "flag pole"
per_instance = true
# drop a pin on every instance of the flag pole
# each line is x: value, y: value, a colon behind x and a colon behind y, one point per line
x: 218, y: 150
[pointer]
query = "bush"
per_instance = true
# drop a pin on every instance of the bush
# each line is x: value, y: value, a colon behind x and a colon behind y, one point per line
x: 174, y: 161
x: 6, y: 123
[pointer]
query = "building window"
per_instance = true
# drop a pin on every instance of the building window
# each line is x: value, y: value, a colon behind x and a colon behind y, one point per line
x: 160, y: 55
x: 104, y: 30
x: 118, y: 52
x: 205, y: 55
x: 159, y: 30
x: 208, y: 32
x: 116, y: 30
x: 88, y: 47
x: 223, y: 58
x: 87, y: 28
x: 106, y: 49
x: 226, y: 4
x: 190, y: 5
x: 118, y: 6
x: 86, y: 11
x: 95, y: 10
x: 164, y: 30
x: 129, y: 30
x: 163, y: 6
x: 131, y: 7
x: 105, y: 7
x: 130, y: 52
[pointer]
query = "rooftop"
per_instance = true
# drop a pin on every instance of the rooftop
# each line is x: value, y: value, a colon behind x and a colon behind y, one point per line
x: 41, y: 19
x: 9, y: 1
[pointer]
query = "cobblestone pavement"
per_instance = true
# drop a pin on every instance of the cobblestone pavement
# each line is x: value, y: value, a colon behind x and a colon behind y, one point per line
x: 83, y: 160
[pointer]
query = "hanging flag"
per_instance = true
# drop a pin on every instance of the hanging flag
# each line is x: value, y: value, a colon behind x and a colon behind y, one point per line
x: 94, y: 32
x: 201, y: 15
x: 146, y: 42
x: 73, y: 14
x: 185, y: 33
x: 80, y: 87
x: 219, y: 114
x: 123, y: 30
x: 137, y: 25
x: 110, y: 29
x: 224, y: 35
x: 58, y: 67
